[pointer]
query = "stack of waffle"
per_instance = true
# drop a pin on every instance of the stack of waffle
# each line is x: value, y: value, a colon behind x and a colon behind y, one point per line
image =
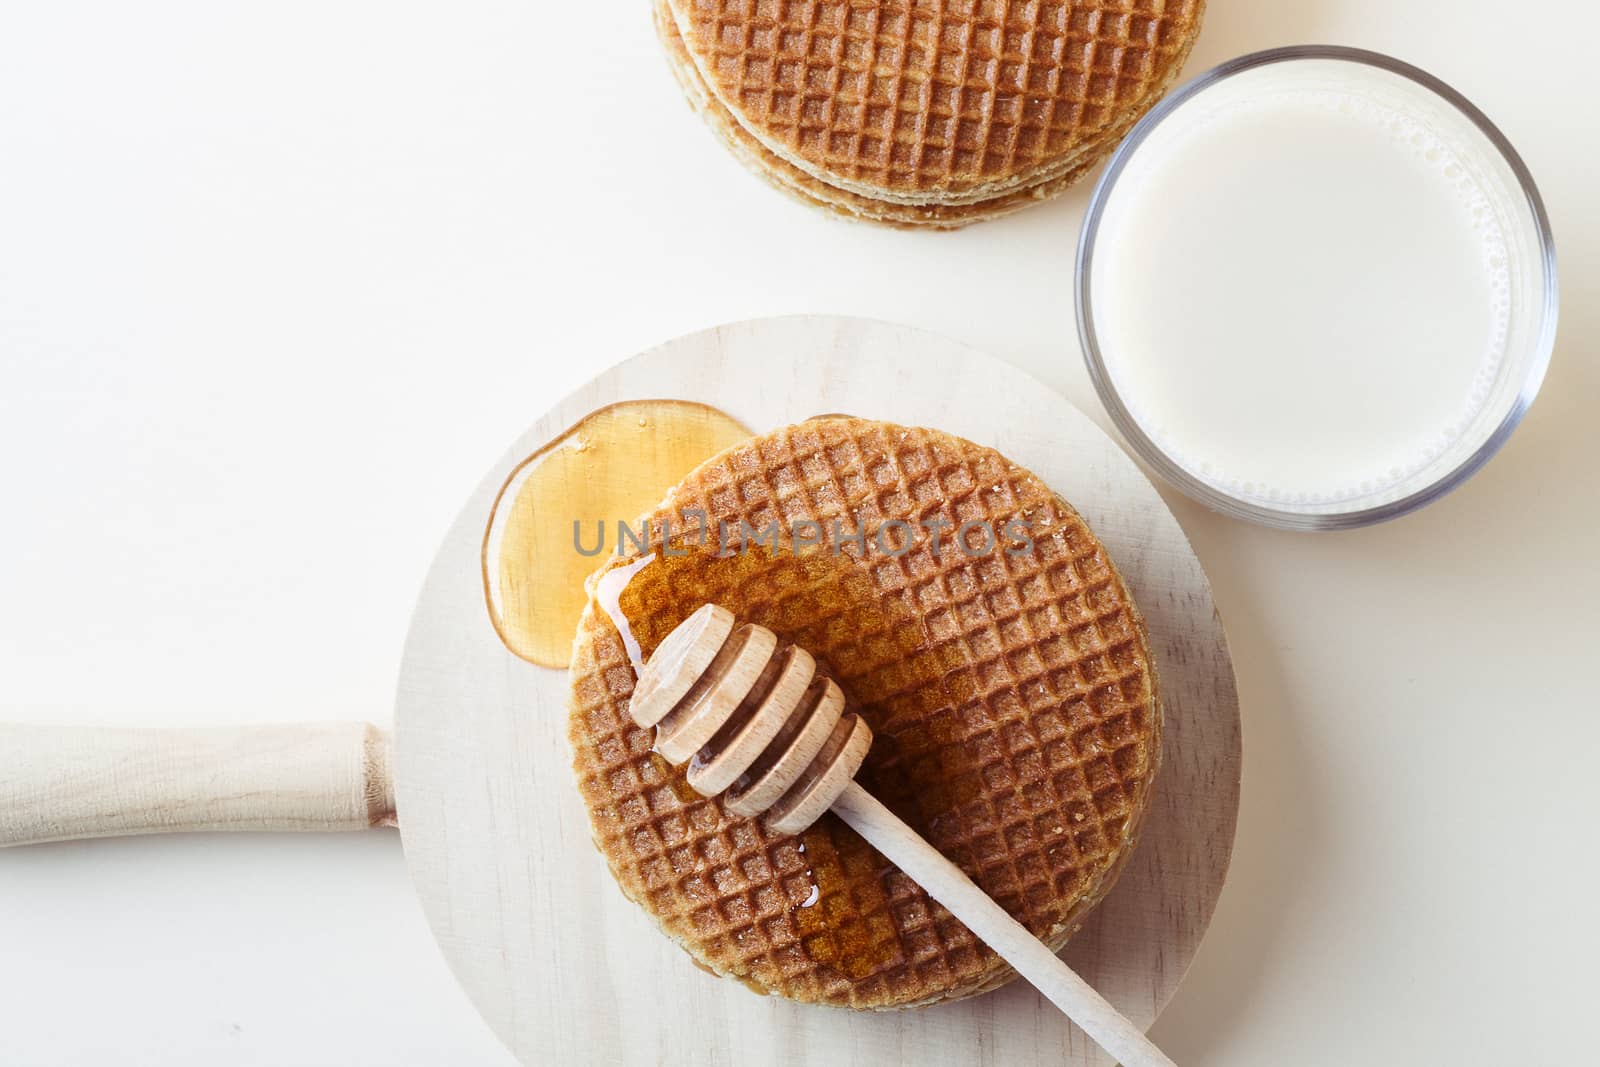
x: 1011, y: 696
x: 924, y: 113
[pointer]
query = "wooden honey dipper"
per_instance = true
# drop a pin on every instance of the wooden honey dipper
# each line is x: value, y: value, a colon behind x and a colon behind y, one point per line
x: 796, y: 755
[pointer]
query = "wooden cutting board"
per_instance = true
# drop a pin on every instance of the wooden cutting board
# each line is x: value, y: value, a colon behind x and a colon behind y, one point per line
x: 567, y: 970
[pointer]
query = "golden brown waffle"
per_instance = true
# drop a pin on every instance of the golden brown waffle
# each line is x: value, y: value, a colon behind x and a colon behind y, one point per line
x: 813, y: 192
x: 1012, y: 698
x: 809, y: 190
x: 924, y: 103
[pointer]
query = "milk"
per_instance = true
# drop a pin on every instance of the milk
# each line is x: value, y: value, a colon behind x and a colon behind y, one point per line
x: 1304, y: 283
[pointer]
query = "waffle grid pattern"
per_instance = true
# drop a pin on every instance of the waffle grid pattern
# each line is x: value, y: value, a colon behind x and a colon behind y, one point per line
x: 1011, y: 696
x: 924, y: 95
x: 813, y: 191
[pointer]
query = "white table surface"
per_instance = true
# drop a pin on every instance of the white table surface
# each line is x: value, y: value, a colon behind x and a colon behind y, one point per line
x: 278, y: 282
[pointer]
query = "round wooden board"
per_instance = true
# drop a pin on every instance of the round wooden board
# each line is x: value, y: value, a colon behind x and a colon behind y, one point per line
x: 563, y: 967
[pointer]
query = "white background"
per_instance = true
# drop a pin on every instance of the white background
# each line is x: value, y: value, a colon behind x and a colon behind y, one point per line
x: 279, y: 281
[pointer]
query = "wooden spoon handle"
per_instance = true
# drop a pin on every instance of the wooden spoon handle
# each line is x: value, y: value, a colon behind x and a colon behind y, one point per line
x: 994, y: 925
x: 59, y: 783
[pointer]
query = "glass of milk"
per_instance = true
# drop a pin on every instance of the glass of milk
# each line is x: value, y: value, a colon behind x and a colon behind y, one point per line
x: 1316, y: 288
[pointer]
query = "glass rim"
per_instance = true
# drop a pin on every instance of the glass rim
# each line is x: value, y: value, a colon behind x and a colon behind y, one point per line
x: 1219, y: 499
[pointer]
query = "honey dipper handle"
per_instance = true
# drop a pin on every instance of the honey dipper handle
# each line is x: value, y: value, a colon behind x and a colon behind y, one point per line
x: 58, y: 783
x: 1032, y: 959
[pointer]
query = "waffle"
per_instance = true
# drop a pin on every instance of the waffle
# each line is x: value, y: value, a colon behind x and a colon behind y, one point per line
x: 809, y: 190
x: 1012, y: 698
x: 926, y: 104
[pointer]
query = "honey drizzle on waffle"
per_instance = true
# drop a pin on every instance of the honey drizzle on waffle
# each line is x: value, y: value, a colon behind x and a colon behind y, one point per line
x: 824, y: 904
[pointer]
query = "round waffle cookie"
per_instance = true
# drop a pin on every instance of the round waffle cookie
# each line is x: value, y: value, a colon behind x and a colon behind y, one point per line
x: 809, y: 190
x: 1006, y: 677
x: 926, y: 104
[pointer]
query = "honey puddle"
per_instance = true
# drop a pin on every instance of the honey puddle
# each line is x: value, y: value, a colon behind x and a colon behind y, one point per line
x: 835, y: 883
x: 614, y: 465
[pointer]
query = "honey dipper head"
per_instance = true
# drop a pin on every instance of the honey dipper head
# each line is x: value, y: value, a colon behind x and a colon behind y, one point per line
x: 752, y: 716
